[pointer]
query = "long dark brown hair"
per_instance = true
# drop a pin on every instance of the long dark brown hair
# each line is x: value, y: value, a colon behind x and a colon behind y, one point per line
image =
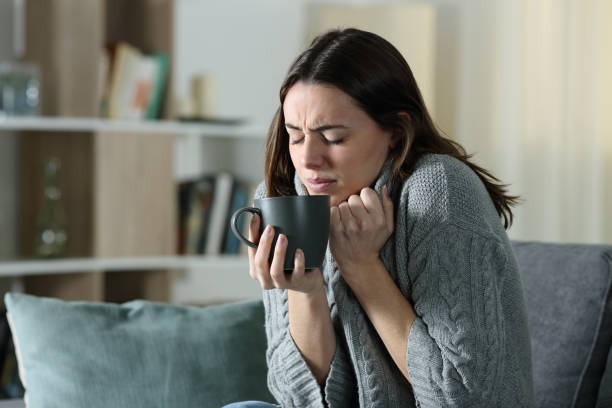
x: 373, y: 72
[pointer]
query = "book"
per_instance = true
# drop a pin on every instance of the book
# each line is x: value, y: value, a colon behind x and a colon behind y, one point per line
x: 183, y: 201
x: 136, y: 83
x: 108, y: 63
x: 239, y: 199
x: 219, y: 212
x: 159, y: 84
x: 122, y: 57
x: 103, y: 80
x: 192, y: 226
x: 206, y: 191
x: 196, y: 213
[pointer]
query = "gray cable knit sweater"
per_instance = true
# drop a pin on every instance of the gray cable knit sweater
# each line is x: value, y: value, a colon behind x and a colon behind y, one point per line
x: 451, y: 258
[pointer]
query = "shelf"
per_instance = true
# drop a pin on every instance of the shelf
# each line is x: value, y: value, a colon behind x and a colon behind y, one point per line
x: 74, y: 265
x: 70, y: 124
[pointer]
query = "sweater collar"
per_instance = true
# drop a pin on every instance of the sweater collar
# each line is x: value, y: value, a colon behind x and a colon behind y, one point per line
x: 381, y: 180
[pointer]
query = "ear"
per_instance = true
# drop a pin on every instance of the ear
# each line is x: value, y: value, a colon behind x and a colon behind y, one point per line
x: 405, y: 115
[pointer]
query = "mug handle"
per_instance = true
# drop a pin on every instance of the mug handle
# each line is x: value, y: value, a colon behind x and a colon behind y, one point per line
x: 234, y: 221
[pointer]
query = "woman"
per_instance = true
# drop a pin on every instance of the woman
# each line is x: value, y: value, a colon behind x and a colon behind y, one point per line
x: 419, y: 301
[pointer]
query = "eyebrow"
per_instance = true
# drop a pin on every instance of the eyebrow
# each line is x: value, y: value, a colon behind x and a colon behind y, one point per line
x: 321, y: 128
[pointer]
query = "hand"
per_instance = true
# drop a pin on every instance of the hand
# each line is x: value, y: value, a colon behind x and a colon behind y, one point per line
x: 360, y: 226
x: 273, y: 276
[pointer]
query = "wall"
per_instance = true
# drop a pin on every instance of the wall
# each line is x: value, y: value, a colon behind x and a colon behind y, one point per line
x: 246, y: 45
x: 534, y: 106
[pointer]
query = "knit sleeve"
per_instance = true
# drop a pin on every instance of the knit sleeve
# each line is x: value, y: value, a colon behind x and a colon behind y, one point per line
x: 455, y: 353
x: 341, y: 385
x: 289, y: 377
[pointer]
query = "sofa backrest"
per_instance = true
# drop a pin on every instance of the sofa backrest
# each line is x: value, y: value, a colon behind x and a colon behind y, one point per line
x: 569, y: 306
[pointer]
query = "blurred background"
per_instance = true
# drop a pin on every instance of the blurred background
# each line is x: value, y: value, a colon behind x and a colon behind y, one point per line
x: 129, y: 130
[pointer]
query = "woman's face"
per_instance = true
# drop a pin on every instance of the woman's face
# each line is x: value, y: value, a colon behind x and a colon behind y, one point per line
x: 335, y: 147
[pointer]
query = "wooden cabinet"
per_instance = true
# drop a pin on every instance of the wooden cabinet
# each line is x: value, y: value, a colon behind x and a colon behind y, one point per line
x: 120, y: 198
x: 118, y: 190
x: 118, y: 195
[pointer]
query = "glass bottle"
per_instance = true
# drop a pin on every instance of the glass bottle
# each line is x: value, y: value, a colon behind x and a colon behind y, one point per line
x: 51, y: 236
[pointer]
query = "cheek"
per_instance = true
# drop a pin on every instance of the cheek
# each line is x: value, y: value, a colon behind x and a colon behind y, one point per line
x: 294, y: 157
x: 364, y: 165
x: 367, y: 157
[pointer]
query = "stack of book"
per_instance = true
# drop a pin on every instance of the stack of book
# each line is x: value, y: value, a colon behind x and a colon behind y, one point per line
x: 206, y: 205
x: 132, y: 83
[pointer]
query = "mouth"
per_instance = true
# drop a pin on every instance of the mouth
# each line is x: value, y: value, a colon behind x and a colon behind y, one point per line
x: 319, y: 185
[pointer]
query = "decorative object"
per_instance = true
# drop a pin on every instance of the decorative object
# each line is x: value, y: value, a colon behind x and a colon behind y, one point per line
x: 51, y: 235
x: 19, y: 89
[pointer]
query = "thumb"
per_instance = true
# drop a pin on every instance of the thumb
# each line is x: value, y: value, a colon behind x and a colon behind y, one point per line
x: 387, y: 207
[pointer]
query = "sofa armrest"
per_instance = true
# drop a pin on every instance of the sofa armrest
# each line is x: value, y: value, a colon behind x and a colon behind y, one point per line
x: 12, y: 403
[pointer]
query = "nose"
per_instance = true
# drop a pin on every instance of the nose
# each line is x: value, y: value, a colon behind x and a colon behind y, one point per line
x: 312, y: 153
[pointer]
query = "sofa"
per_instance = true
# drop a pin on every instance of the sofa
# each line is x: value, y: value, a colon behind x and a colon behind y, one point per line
x: 146, y: 354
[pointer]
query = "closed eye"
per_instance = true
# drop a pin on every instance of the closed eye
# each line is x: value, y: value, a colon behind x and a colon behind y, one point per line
x: 296, y: 140
x: 295, y: 136
x: 334, y: 142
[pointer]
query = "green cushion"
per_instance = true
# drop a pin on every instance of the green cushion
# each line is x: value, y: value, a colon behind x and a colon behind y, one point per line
x: 138, y: 354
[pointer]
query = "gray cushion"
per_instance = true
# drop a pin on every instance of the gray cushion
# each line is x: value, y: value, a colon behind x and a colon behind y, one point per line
x: 569, y: 306
x: 604, y: 399
x: 138, y: 354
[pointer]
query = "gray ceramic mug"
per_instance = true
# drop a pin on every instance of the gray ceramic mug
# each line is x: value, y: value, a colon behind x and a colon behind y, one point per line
x: 304, y: 220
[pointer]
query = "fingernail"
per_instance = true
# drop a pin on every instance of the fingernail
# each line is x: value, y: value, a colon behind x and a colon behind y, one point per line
x: 281, y: 239
x: 268, y: 230
x: 299, y: 254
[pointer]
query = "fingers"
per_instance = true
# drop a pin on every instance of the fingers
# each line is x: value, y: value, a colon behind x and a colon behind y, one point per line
x: 375, y: 208
x: 302, y: 280
x: 346, y: 217
x: 357, y: 207
x: 260, y: 260
x: 354, y: 214
x: 361, y: 212
x: 277, y: 269
x: 253, y: 237
x: 299, y: 263
x: 371, y: 201
x: 335, y: 221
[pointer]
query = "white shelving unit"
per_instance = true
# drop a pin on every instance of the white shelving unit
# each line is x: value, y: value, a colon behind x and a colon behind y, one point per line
x: 98, y: 125
x: 74, y: 265
x: 203, y: 278
x: 156, y: 154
